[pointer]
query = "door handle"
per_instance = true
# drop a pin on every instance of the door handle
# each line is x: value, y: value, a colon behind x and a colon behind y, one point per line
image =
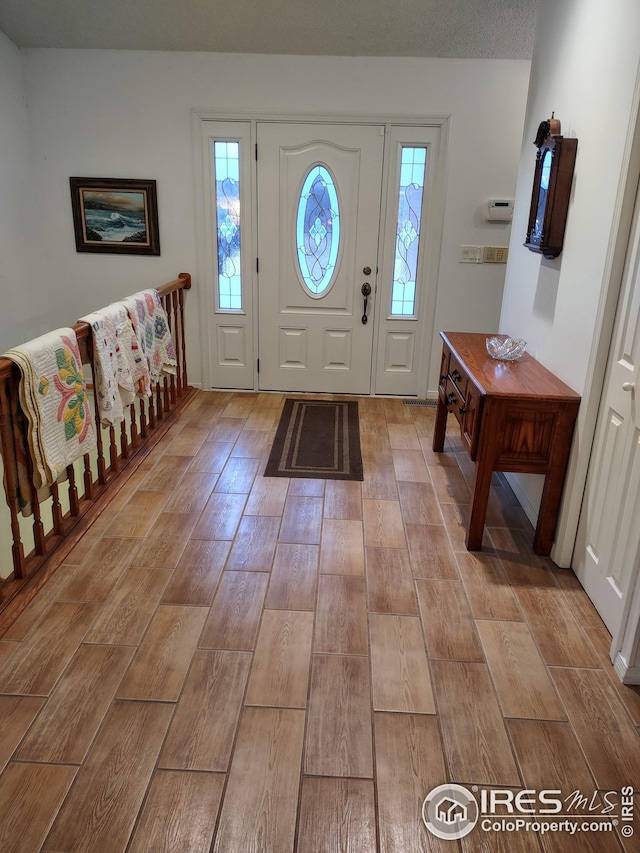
x: 366, y: 292
x: 629, y: 386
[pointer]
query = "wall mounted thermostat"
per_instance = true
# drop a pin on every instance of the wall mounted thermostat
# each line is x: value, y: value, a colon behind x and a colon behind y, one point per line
x: 499, y: 210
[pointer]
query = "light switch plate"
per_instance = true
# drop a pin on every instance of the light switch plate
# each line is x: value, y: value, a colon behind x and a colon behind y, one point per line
x: 471, y: 254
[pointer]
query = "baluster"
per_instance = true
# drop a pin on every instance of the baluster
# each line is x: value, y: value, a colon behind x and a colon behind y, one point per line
x: 56, y: 510
x: 143, y: 418
x: 11, y: 485
x: 176, y: 342
x: 101, y: 461
x: 124, y: 441
x: 133, y: 429
x: 74, y: 503
x: 113, y: 450
x: 159, y: 407
x: 166, y: 304
x: 151, y: 411
x: 88, y: 478
x: 182, y: 338
x: 37, y: 525
x: 171, y: 321
x: 165, y: 394
x: 101, y: 464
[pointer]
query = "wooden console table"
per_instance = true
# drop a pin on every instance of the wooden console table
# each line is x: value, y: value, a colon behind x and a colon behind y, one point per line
x: 513, y: 416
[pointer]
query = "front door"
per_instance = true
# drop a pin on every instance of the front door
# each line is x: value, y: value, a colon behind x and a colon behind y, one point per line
x: 319, y: 190
x: 607, y: 549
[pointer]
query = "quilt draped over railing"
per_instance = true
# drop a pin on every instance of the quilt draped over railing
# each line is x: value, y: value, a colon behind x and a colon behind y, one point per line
x: 53, y: 419
x: 132, y: 350
x: 79, y: 407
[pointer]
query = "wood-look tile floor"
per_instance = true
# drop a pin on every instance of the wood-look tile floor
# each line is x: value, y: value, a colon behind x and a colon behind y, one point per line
x: 232, y: 663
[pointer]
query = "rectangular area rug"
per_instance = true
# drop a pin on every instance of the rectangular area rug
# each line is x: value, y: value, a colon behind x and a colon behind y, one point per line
x: 318, y: 439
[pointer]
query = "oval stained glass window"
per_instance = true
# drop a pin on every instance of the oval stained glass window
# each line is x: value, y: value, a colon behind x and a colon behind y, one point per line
x: 318, y: 230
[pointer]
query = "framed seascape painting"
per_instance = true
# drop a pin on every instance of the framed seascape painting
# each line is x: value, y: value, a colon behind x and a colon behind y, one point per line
x: 115, y: 216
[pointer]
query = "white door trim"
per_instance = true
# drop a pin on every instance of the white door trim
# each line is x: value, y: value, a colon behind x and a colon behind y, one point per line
x: 608, y: 543
x: 576, y: 478
x: 625, y: 646
x: 199, y: 117
x: 420, y: 327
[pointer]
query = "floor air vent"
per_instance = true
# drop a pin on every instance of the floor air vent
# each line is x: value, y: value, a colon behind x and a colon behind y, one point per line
x: 413, y: 402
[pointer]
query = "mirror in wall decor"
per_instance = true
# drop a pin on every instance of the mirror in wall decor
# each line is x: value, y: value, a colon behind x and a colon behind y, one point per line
x: 552, y: 181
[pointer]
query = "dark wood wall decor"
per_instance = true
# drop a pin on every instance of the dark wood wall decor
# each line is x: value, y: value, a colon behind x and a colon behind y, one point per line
x: 513, y: 416
x: 115, y: 216
x: 551, y: 189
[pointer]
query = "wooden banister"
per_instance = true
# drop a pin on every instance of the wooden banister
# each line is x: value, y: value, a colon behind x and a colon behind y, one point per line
x: 62, y: 513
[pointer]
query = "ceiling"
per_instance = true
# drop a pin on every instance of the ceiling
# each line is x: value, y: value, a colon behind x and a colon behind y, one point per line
x: 474, y: 29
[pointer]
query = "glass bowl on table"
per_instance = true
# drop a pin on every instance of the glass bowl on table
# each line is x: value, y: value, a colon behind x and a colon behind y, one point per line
x: 504, y: 348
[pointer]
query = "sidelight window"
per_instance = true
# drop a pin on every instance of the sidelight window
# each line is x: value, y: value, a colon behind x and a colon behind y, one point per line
x: 226, y: 157
x: 410, y: 199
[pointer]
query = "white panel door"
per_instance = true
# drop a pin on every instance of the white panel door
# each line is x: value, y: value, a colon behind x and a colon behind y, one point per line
x: 608, y: 542
x: 319, y: 189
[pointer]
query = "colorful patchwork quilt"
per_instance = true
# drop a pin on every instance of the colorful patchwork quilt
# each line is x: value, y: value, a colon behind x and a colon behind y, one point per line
x: 152, y: 333
x: 58, y: 428
x: 114, y: 361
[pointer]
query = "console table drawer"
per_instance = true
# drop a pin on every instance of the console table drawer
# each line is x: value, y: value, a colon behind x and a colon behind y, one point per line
x: 462, y: 399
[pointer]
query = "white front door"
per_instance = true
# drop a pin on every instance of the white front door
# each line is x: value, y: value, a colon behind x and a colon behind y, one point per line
x: 319, y: 190
x: 607, y: 547
x: 288, y: 243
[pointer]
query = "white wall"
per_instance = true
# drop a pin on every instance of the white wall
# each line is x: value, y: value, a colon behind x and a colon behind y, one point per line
x: 21, y: 314
x: 15, y: 226
x: 585, y: 68
x: 127, y: 114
